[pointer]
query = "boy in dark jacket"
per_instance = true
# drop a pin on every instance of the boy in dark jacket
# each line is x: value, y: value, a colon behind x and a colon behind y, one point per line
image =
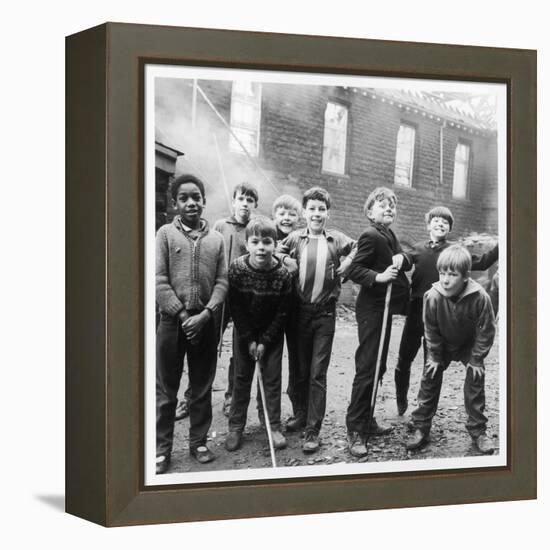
x: 459, y: 326
x: 259, y: 293
x: 439, y: 222
x: 191, y: 284
x: 378, y: 261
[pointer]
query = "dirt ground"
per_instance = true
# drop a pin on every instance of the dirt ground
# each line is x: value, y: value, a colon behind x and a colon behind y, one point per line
x: 449, y: 437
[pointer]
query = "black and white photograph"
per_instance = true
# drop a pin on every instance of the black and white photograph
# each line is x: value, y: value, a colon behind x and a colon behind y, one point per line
x: 291, y: 220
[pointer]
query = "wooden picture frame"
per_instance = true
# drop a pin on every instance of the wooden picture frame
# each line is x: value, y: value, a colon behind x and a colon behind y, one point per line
x: 105, y: 274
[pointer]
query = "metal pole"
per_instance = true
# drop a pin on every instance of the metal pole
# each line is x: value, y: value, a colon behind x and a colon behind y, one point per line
x: 227, y: 194
x: 245, y: 150
x: 194, y: 104
x: 266, y: 416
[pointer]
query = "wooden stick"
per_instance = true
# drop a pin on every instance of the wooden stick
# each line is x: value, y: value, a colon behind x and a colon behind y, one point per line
x: 266, y: 415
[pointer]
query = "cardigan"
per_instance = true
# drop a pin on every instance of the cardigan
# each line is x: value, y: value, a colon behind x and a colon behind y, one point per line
x: 191, y: 273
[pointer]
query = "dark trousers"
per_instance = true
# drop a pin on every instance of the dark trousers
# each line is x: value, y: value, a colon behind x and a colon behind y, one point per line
x: 172, y: 346
x: 413, y: 332
x: 428, y: 399
x: 292, y: 338
x: 315, y: 333
x: 369, y: 326
x: 244, y: 374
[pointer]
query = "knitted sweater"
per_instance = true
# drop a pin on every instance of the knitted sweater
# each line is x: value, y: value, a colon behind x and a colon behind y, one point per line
x: 461, y: 329
x: 259, y: 300
x: 190, y: 268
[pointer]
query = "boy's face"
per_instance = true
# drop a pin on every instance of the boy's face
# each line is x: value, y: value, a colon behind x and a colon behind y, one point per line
x: 261, y: 251
x: 285, y: 219
x: 438, y: 228
x: 452, y: 281
x: 316, y: 215
x: 242, y: 207
x: 383, y: 211
x: 189, y: 204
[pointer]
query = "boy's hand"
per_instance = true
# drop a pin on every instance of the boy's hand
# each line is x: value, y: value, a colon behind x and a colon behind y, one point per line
x: 476, y: 370
x: 194, y: 325
x: 344, y: 266
x: 431, y: 368
x: 291, y: 264
x: 390, y: 274
x: 397, y: 260
x: 183, y: 316
x: 252, y: 350
x: 260, y: 352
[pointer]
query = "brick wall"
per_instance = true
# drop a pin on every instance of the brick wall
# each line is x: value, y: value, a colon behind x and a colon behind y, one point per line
x: 291, y: 146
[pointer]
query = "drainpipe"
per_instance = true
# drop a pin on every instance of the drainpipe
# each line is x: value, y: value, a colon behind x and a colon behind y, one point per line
x: 444, y: 125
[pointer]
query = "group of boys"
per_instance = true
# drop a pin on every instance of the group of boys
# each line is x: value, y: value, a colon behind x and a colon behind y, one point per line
x: 274, y: 279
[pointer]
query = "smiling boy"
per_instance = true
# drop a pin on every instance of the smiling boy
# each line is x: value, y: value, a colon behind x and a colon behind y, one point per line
x: 439, y: 223
x: 316, y: 252
x: 259, y: 292
x: 191, y: 284
x: 459, y: 326
x: 378, y: 261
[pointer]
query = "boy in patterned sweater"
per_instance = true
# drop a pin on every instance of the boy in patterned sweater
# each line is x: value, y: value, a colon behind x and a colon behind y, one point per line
x: 259, y: 294
x: 191, y: 284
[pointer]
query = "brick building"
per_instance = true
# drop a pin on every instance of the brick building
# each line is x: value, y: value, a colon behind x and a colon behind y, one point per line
x: 347, y: 140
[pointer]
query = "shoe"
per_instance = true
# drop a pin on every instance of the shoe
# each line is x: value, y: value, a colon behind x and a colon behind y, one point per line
x: 227, y: 406
x: 483, y: 444
x: 377, y: 429
x: 311, y: 443
x: 279, y: 440
x: 296, y: 423
x: 356, y: 445
x: 202, y: 454
x: 417, y: 440
x: 182, y: 410
x: 233, y: 440
x: 163, y: 462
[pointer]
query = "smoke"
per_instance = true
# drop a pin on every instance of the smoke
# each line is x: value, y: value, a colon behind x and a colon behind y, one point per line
x: 206, y: 145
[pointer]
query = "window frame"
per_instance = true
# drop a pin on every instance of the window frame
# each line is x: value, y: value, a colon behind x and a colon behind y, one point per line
x: 467, y: 172
x: 233, y: 145
x: 414, y: 127
x: 347, y: 107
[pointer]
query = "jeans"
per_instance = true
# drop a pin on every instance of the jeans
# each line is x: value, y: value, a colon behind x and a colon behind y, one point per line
x: 413, y: 332
x: 171, y: 348
x: 428, y: 399
x: 244, y: 374
x: 369, y: 327
x: 315, y: 327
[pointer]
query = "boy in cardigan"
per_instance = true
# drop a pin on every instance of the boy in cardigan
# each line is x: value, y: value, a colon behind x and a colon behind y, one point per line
x: 191, y: 284
x: 459, y: 326
x: 316, y: 252
x: 259, y: 293
x: 439, y: 222
x: 378, y: 261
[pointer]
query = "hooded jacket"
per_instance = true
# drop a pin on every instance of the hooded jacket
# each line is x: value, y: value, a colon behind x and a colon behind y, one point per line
x: 461, y: 329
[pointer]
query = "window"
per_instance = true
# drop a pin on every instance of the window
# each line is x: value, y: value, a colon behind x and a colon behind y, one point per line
x: 404, y: 155
x: 246, y: 101
x: 462, y: 165
x: 335, y: 138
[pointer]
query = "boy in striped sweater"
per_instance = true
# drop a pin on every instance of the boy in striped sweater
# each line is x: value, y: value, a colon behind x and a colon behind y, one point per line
x: 316, y: 252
